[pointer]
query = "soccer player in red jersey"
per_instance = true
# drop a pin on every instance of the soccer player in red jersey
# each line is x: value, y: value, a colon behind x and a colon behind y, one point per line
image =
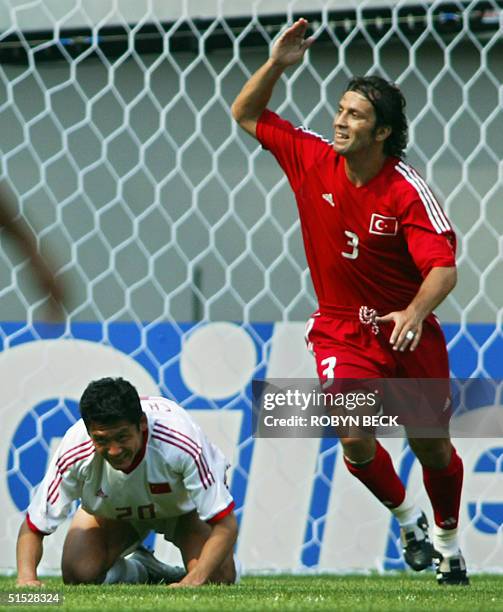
x: 381, y: 252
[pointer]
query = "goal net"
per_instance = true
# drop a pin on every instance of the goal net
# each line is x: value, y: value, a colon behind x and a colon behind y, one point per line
x: 179, y: 241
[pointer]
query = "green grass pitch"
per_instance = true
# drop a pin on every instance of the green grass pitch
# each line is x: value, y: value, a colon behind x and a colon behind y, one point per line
x: 398, y: 592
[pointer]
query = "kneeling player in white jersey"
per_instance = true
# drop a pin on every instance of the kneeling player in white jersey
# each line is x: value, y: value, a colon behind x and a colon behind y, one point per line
x: 136, y: 465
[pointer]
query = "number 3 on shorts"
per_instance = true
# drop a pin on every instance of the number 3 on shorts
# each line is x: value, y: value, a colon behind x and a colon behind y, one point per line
x: 328, y: 372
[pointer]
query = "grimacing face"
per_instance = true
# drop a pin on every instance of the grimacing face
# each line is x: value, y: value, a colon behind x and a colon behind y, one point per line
x: 118, y: 443
x: 354, y: 125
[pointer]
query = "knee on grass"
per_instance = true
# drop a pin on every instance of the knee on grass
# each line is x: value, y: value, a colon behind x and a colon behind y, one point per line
x: 83, y: 573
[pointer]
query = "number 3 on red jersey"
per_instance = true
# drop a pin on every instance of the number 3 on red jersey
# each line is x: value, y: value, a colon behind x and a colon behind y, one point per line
x: 353, y: 243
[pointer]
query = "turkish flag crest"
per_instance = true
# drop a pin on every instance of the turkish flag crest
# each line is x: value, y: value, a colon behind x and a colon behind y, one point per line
x: 383, y: 226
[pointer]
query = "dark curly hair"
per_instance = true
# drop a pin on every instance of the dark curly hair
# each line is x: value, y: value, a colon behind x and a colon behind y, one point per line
x: 389, y: 106
x: 109, y: 400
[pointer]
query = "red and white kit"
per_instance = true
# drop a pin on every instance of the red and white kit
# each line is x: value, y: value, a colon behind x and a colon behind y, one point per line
x: 368, y: 249
x: 177, y: 470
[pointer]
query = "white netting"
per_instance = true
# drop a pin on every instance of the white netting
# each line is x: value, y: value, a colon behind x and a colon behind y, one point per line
x: 118, y: 142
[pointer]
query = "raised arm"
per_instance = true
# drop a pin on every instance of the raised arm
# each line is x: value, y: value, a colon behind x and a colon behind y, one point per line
x: 255, y: 95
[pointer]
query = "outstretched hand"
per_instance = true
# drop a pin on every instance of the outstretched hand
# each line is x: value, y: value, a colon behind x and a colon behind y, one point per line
x: 290, y: 47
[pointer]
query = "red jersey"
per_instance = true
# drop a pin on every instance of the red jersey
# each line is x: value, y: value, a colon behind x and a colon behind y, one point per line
x: 369, y: 245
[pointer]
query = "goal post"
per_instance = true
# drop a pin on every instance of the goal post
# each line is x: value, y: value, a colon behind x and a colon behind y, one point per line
x: 180, y: 243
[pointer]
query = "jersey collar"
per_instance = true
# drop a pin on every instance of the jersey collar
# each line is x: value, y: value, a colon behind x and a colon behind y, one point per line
x: 139, y: 455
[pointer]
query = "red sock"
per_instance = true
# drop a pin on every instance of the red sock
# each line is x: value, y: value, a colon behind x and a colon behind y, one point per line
x: 444, y: 490
x: 380, y: 478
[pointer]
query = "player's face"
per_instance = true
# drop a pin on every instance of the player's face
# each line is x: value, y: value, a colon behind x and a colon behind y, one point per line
x: 354, y: 125
x: 118, y: 443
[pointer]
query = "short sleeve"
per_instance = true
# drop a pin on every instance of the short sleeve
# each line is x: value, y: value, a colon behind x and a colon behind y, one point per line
x: 53, y: 498
x: 430, y: 238
x: 431, y: 250
x: 295, y: 148
x: 203, y: 468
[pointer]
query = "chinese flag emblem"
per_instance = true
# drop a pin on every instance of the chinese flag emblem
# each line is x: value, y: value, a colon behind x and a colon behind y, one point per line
x: 159, y: 487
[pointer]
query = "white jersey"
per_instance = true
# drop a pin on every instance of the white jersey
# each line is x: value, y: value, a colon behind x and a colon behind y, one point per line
x: 178, y: 470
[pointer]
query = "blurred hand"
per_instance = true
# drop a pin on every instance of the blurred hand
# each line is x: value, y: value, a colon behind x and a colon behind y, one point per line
x: 52, y: 287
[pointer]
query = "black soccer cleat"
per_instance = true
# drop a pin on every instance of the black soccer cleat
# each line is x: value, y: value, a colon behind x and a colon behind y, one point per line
x: 417, y: 549
x: 451, y: 570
